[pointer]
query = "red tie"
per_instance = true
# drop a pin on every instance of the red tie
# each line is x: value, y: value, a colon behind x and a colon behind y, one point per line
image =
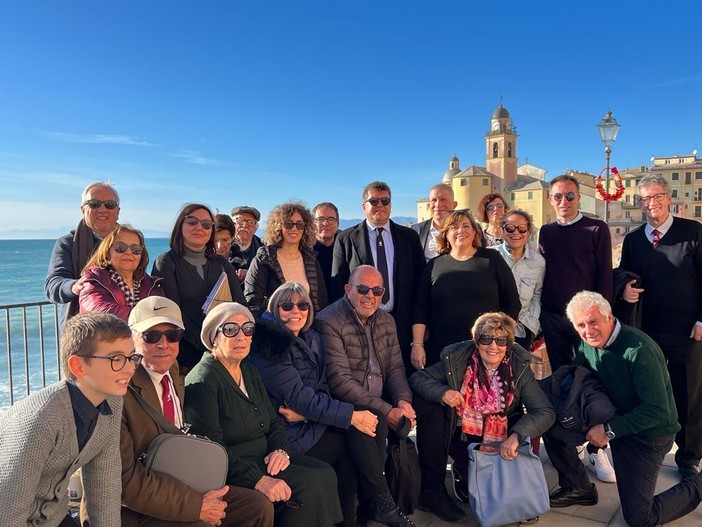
x: 168, y: 408
x: 656, y: 237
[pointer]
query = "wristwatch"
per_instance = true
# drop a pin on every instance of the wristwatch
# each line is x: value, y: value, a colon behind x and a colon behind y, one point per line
x: 608, y: 431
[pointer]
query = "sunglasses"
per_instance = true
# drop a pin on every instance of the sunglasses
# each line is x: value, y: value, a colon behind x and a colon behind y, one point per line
x: 110, y: 204
x: 522, y: 229
x: 153, y: 336
x: 231, y: 329
x: 121, y: 248
x: 363, y: 289
x: 495, y: 206
x: 299, y: 225
x: 570, y: 196
x: 119, y: 361
x: 288, y: 306
x: 377, y: 201
x: 486, y: 340
x: 192, y: 221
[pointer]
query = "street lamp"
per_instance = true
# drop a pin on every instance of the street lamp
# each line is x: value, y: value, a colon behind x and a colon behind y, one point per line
x: 609, y: 128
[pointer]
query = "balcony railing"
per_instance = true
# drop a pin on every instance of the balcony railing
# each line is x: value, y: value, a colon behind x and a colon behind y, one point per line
x: 29, y: 338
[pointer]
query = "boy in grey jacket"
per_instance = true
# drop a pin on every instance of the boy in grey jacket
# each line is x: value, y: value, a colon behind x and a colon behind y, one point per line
x: 75, y: 423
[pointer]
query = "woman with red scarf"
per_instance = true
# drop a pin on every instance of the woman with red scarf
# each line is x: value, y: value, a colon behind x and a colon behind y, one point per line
x: 483, y: 385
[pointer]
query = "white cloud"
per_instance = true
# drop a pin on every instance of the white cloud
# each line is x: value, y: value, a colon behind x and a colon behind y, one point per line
x: 111, y: 139
x: 196, y: 158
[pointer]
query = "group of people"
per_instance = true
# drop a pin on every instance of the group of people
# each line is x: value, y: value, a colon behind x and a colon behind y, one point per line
x: 330, y: 342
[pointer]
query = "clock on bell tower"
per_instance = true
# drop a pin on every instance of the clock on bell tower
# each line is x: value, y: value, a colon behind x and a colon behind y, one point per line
x: 501, y: 146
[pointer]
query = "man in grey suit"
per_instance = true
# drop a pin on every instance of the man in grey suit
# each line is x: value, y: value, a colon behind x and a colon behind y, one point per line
x: 392, y: 249
x: 441, y: 202
x: 74, y: 423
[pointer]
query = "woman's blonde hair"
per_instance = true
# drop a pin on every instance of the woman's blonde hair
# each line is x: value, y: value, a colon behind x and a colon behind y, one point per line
x: 491, y: 323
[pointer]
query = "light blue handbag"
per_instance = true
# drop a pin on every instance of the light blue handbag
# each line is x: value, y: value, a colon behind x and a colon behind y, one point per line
x: 501, y: 492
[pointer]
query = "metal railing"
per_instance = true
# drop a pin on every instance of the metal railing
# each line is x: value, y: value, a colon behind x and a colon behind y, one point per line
x: 29, y: 334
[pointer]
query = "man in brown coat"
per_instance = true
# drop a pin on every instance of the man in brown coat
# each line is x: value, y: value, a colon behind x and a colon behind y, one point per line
x: 154, y: 498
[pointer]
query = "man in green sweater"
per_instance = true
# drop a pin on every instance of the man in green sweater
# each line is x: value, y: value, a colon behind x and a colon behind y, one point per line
x: 632, y: 368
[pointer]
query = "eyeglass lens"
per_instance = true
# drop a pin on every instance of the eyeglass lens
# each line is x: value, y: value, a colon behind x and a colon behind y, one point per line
x: 153, y: 336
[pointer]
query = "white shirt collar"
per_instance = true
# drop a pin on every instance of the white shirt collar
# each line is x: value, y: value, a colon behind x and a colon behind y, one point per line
x: 664, y: 227
x: 574, y: 220
x: 615, y: 333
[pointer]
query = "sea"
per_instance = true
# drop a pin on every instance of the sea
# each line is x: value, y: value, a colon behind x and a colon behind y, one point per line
x: 29, y: 360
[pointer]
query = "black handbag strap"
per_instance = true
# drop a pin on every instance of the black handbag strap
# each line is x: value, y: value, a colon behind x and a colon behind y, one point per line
x: 156, y: 416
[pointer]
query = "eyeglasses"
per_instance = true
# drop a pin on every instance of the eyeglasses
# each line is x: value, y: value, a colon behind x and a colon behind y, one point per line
x: 325, y: 219
x: 288, y: 306
x: 486, y: 340
x: 246, y: 223
x: 377, y: 201
x: 363, y: 289
x: 192, y: 221
x: 110, y: 204
x: 231, y: 329
x: 496, y: 206
x: 570, y: 196
x: 658, y: 197
x: 119, y: 361
x: 299, y: 225
x: 121, y: 248
x: 293, y: 504
x: 522, y: 229
x: 153, y: 336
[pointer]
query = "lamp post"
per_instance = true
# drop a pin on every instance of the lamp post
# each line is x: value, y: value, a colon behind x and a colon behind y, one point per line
x: 609, y: 128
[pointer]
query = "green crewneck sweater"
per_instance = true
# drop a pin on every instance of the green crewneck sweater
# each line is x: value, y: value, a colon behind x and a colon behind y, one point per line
x: 634, y: 373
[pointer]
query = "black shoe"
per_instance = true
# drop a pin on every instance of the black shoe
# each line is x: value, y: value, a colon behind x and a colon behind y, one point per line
x: 460, y: 486
x: 688, y: 471
x: 393, y: 518
x: 441, y: 506
x: 565, y: 497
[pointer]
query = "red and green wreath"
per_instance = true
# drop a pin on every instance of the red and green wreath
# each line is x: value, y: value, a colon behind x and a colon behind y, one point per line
x: 618, y: 184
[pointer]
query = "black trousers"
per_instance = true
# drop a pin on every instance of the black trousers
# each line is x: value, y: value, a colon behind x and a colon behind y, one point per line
x: 561, y: 338
x: 433, y: 424
x: 356, y: 458
x: 684, y: 357
x: 637, y: 460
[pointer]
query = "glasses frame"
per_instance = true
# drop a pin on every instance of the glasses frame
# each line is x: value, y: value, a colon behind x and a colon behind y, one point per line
x: 569, y: 196
x: 658, y: 196
x: 192, y: 221
x: 136, y: 358
x: 110, y: 204
x: 248, y: 328
x: 172, y: 335
x: 494, y: 206
x: 326, y: 219
x: 363, y: 290
x: 486, y: 340
x: 299, y: 225
x: 377, y: 201
x: 511, y: 229
x: 245, y: 223
x: 121, y: 248
x: 302, y: 305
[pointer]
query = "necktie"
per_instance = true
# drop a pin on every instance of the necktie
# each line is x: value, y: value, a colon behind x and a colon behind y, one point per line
x: 383, y: 263
x: 167, y: 399
x: 656, y: 237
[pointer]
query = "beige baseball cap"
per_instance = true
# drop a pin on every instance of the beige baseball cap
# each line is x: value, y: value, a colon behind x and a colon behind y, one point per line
x: 155, y: 310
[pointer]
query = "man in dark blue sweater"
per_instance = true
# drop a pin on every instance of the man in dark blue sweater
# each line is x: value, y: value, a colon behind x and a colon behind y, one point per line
x: 667, y: 254
x: 631, y: 367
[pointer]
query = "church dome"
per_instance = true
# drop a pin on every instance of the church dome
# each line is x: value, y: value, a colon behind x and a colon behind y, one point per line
x: 501, y: 113
x: 452, y: 171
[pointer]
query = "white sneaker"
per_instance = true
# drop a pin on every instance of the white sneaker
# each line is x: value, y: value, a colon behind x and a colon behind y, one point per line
x: 599, y: 463
x: 581, y: 452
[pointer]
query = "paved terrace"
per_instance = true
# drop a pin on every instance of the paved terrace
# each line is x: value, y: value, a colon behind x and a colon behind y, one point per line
x: 606, y: 513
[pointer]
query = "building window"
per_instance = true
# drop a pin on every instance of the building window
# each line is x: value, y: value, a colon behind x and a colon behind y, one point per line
x: 674, y: 193
x: 627, y: 183
x: 509, y: 149
x: 627, y: 213
x: 495, y: 150
x: 676, y: 176
x: 698, y: 175
x: 513, y: 197
x: 698, y: 211
x: 530, y: 195
x: 464, y: 182
x: 688, y: 178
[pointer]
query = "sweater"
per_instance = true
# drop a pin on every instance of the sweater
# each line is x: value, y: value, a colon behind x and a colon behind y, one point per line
x: 633, y: 371
x: 578, y: 258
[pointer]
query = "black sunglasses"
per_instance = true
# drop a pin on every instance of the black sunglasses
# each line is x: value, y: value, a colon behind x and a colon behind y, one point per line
x: 508, y: 227
x: 288, y: 306
x: 192, y: 221
x: 153, y: 336
x: 231, y: 329
x: 121, y: 248
x: 119, y: 361
x: 486, y: 340
x: 299, y: 225
x: 363, y: 289
x: 110, y: 204
x: 570, y: 196
x: 376, y: 201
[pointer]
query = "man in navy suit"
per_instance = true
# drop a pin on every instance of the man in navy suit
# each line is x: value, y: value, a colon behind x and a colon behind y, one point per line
x: 441, y: 202
x: 392, y: 249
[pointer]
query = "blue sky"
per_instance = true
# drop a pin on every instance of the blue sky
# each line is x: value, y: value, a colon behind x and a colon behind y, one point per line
x: 261, y: 102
